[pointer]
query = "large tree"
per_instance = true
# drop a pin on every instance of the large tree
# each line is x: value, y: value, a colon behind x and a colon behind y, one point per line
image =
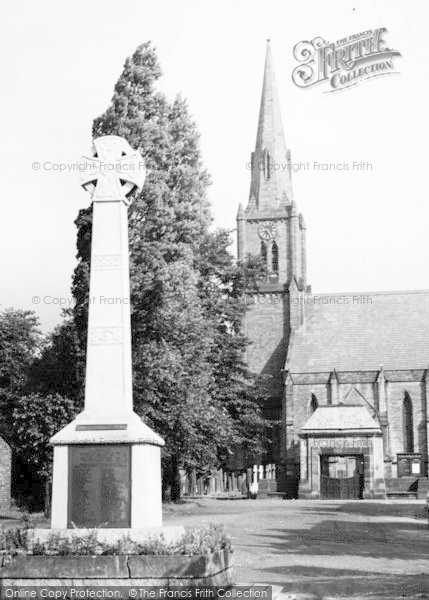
x: 190, y: 379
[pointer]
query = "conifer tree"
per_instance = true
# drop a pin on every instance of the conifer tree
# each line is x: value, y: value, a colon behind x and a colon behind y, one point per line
x: 187, y: 349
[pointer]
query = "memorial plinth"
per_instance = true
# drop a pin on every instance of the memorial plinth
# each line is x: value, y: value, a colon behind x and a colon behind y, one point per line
x: 107, y: 462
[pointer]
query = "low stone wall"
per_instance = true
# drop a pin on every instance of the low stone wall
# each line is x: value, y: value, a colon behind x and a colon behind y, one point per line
x: 115, y: 571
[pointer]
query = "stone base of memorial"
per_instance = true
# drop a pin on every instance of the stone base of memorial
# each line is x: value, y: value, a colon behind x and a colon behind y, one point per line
x: 107, y: 474
x: 114, y: 571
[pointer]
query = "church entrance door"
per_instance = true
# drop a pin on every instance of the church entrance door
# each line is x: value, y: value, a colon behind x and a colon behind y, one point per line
x: 341, y: 476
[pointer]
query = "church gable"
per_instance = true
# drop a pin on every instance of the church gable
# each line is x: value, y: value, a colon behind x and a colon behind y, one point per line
x: 354, y: 397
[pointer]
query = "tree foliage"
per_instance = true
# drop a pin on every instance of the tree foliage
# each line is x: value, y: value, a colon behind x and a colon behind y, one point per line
x: 20, y: 342
x: 191, y: 383
x: 36, y: 419
x: 28, y: 420
x: 56, y: 370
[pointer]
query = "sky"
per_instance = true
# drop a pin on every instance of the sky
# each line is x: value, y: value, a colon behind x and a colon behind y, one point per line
x: 367, y: 229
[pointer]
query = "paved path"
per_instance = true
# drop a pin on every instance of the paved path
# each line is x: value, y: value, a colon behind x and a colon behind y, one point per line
x: 323, y: 549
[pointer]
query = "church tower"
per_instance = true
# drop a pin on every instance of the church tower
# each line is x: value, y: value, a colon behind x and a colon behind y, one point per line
x: 272, y: 228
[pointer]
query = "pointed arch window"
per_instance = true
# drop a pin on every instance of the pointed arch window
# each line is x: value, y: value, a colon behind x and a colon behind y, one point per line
x: 264, y: 252
x: 408, y: 424
x: 313, y: 404
x: 275, y: 258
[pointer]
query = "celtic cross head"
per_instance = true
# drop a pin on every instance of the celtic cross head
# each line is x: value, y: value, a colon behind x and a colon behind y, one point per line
x: 114, y: 171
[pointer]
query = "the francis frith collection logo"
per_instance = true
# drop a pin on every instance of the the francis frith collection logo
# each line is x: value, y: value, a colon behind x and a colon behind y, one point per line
x: 343, y: 63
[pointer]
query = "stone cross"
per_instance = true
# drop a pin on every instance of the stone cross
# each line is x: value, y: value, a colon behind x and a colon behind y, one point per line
x: 107, y: 461
x: 114, y: 170
x: 112, y: 174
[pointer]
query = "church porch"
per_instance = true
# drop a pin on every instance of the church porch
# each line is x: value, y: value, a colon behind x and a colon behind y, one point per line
x: 341, y: 455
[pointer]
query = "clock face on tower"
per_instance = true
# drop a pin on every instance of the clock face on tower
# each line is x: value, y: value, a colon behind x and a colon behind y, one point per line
x: 267, y: 231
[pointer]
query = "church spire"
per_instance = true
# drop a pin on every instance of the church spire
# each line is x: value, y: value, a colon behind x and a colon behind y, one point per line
x: 271, y: 225
x: 270, y: 184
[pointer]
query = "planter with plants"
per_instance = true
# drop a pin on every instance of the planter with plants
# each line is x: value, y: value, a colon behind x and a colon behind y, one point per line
x: 201, y: 557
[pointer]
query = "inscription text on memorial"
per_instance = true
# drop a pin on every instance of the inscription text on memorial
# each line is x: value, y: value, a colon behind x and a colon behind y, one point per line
x: 99, y: 485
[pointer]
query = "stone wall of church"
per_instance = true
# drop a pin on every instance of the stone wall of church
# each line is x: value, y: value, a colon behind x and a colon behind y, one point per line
x: 264, y: 327
x: 298, y: 404
x: 395, y: 400
x: 297, y: 400
x: 301, y: 400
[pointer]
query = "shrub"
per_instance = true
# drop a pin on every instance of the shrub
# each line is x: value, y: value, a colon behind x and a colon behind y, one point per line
x: 204, y: 540
x: 201, y: 540
x: 14, y: 541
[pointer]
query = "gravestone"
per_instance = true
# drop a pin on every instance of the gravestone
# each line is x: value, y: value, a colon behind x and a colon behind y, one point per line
x: 107, y: 464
